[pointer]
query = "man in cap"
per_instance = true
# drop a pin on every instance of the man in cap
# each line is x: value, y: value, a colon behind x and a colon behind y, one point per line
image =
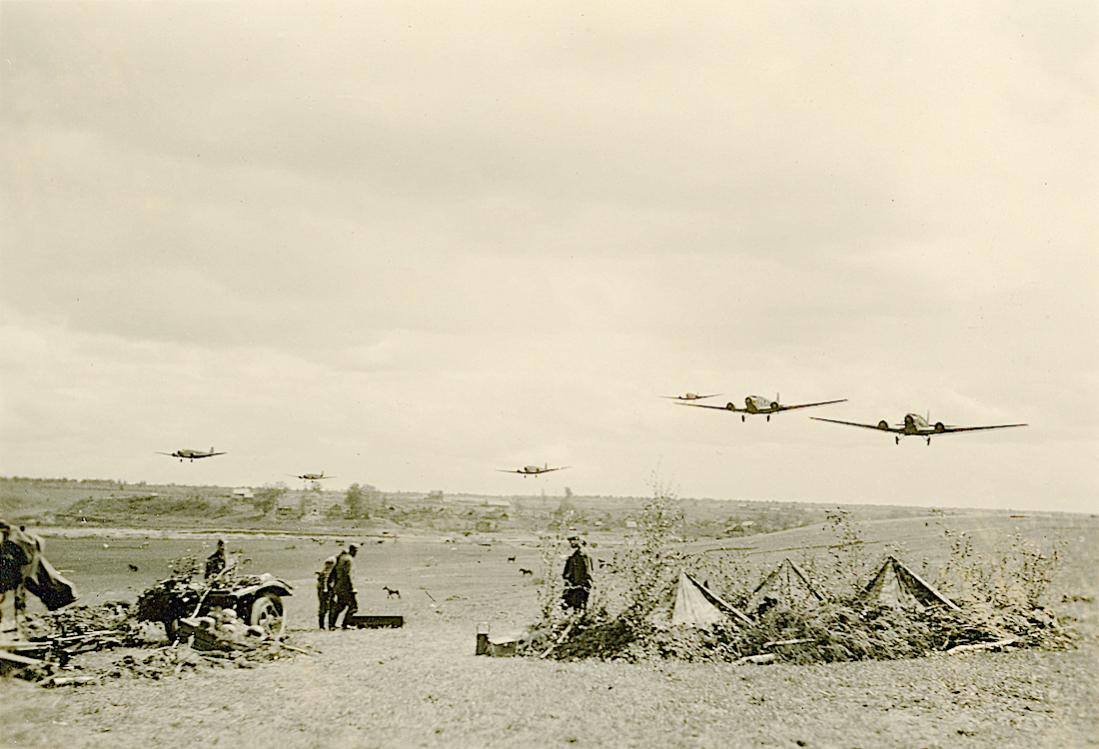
x: 324, y: 593
x: 215, y: 563
x: 340, y: 586
x: 577, y: 576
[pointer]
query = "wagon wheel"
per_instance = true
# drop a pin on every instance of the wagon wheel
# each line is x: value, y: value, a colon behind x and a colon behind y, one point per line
x: 267, y: 613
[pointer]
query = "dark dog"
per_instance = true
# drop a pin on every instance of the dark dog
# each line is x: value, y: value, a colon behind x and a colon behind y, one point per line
x: 391, y: 592
x: 511, y: 559
x: 525, y: 571
x: 133, y: 567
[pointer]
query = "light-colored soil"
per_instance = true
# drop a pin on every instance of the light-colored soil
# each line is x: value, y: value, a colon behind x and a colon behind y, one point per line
x: 422, y: 685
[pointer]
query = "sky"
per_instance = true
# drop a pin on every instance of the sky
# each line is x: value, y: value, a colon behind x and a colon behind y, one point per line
x: 410, y: 244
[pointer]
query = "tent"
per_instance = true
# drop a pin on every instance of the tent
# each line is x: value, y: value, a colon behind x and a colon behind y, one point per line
x: 698, y: 606
x: 785, y: 584
x: 897, y: 585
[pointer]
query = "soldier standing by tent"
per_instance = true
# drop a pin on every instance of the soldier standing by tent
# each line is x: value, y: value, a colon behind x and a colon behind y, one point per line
x: 341, y: 588
x: 577, y: 576
x: 324, y: 593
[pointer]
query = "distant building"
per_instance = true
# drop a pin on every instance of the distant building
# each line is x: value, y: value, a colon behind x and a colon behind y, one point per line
x: 243, y: 492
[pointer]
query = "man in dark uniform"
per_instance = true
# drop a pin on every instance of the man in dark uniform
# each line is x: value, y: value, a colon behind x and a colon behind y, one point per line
x: 577, y: 576
x: 215, y: 563
x: 340, y: 586
x: 324, y: 594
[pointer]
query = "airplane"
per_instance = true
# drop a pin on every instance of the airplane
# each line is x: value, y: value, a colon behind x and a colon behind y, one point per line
x: 757, y: 404
x: 531, y: 470
x: 311, y: 476
x: 917, y: 426
x: 191, y: 455
x: 689, y: 396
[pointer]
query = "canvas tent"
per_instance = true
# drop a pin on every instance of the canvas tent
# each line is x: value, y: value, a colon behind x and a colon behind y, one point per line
x: 785, y: 584
x: 698, y: 606
x: 897, y: 585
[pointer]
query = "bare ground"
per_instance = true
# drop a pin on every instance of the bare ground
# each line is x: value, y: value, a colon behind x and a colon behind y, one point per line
x: 422, y: 687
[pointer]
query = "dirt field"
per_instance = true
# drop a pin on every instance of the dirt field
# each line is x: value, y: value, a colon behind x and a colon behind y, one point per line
x: 421, y: 686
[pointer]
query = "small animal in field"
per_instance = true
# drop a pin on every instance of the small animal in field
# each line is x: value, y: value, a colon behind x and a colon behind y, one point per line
x: 391, y: 592
x: 525, y: 571
x: 511, y: 559
x: 133, y: 567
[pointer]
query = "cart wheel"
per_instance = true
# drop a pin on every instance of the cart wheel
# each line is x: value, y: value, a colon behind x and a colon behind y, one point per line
x: 267, y: 613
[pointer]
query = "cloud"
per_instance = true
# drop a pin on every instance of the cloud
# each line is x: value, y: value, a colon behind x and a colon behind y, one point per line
x: 441, y: 237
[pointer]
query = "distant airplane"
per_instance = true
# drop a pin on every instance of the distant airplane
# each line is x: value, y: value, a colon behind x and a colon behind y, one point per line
x: 191, y: 455
x: 311, y: 476
x: 531, y: 470
x: 689, y: 396
x: 917, y: 426
x: 757, y: 404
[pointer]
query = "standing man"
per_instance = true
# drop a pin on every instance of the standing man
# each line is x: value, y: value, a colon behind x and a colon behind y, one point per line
x: 577, y: 576
x: 324, y: 593
x: 340, y: 586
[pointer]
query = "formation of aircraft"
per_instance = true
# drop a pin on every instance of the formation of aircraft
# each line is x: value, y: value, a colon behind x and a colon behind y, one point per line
x: 186, y: 453
x: 913, y: 425
x: 531, y: 470
x: 917, y: 426
x: 758, y: 404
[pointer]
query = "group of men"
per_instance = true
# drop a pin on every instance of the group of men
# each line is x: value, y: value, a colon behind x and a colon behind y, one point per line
x: 335, y: 592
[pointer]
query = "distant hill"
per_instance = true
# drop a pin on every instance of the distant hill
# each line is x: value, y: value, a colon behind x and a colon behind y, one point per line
x: 107, y: 502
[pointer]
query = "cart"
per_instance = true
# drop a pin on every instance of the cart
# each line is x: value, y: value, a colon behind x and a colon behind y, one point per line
x: 256, y: 599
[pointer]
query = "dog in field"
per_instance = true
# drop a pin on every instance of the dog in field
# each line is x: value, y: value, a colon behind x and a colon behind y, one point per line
x: 525, y: 571
x: 133, y: 567
x: 511, y: 559
x: 391, y: 592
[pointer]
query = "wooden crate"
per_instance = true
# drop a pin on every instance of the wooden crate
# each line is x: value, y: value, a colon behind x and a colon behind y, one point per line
x: 367, y: 621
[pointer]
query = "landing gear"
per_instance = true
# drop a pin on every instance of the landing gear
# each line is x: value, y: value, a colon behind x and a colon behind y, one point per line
x: 768, y: 417
x: 743, y: 418
x: 896, y: 440
x: 929, y: 442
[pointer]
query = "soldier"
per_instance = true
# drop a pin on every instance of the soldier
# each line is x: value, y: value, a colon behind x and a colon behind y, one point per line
x: 215, y: 563
x: 324, y: 593
x: 577, y: 576
x: 342, y: 589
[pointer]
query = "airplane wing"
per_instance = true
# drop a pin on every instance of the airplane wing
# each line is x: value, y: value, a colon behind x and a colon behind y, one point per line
x: 210, y: 455
x: 171, y: 455
x: 719, y: 408
x: 508, y: 470
x: 559, y: 468
x: 808, y: 405
x: 875, y: 427
x: 948, y: 430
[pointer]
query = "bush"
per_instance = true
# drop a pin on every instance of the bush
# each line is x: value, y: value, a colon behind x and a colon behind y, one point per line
x: 1005, y: 594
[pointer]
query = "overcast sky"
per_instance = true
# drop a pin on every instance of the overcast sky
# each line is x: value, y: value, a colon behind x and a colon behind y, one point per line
x: 410, y: 243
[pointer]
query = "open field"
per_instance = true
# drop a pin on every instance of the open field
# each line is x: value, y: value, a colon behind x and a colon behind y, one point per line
x: 421, y: 686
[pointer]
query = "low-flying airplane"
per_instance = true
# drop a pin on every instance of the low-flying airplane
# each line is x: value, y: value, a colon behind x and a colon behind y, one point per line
x: 311, y: 476
x: 757, y: 404
x: 917, y: 426
x: 689, y: 396
x: 185, y: 453
x: 531, y: 470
